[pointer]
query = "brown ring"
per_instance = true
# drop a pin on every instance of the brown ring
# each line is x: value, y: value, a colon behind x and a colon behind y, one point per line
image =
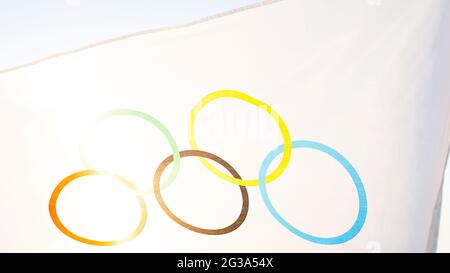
x: 245, y: 200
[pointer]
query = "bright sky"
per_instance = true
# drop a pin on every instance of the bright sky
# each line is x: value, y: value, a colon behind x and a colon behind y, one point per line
x: 31, y: 29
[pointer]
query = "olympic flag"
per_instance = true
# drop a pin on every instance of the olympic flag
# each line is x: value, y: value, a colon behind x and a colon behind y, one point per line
x: 288, y: 126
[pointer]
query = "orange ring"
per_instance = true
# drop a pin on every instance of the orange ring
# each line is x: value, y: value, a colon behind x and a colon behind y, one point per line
x: 67, y: 232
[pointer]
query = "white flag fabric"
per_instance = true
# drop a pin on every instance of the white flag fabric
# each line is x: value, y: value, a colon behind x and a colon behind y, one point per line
x: 333, y: 118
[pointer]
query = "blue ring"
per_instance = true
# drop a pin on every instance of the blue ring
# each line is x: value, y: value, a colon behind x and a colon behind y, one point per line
x: 362, y: 213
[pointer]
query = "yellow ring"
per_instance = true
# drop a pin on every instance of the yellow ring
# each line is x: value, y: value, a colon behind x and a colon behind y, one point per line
x: 67, y: 232
x: 244, y: 97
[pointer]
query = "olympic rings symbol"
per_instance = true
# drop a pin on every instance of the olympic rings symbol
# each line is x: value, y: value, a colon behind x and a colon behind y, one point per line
x: 263, y: 179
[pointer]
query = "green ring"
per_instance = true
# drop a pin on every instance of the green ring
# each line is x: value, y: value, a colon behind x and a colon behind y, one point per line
x: 146, y: 117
